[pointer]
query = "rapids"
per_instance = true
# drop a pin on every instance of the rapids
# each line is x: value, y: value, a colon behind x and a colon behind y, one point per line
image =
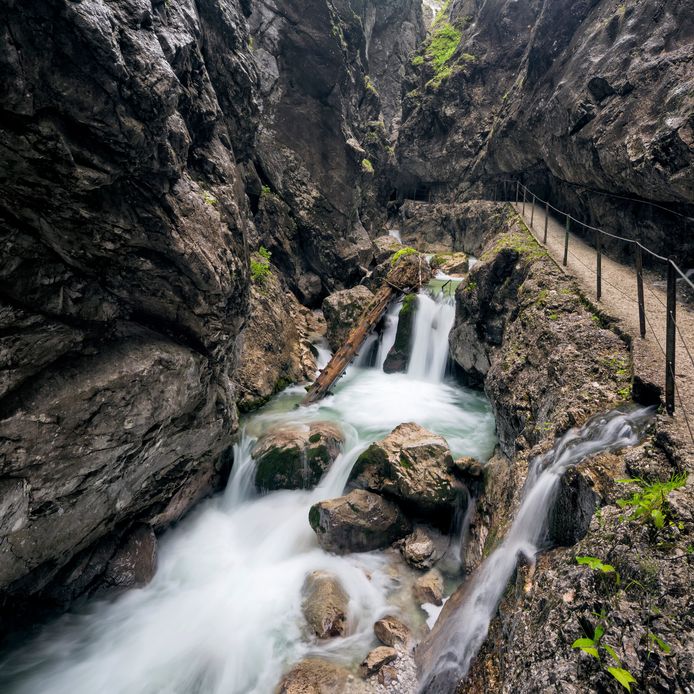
x: 223, y: 612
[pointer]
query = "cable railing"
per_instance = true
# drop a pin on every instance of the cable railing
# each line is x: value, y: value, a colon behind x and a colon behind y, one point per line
x: 524, y: 196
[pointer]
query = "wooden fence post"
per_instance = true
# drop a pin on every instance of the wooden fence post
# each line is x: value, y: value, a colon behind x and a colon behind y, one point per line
x: 566, y: 242
x: 670, y: 339
x: 598, y: 269
x: 532, y: 212
x: 546, y: 221
x: 639, y: 291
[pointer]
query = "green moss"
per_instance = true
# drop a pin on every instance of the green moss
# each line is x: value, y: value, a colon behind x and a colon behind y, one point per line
x: 418, y: 60
x: 369, y: 85
x: 407, y: 250
x: 442, y: 45
x: 314, y: 438
x: 405, y: 462
x: 265, y: 191
x: 314, y: 517
x: 408, y: 305
x: 209, y: 198
x: 367, y: 167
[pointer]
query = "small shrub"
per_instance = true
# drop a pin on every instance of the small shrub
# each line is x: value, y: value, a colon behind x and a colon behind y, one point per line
x: 260, y: 266
x: 650, y: 504
x: 209, y: 198
x: 367, y: 167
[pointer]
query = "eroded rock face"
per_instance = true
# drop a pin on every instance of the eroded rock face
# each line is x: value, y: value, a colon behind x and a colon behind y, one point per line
x: 295, y: 457
x: 358, y: 522
x: 274, y: 345
x: 325, y: 605
x: 124, y: 279
x: 604, y: 106
x: 412, y: 465
x: 398, y: 357
x: 342, y: 311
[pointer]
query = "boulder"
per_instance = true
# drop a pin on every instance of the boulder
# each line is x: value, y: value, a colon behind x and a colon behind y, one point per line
x: 429, y: 588
x: 399, y: 354
x: 342, y: 311
x: 295, y: 457
x: 471, y: 472
x: 455, y: 264
x: 380, y: 656
x: 314, y: 676
x: 325, y: 604
x: 358, y: 522
x: 134, y: 563
x: 390, y: 631
x: 423, y: 548
x: 414, y: 466
x: 385, y: 246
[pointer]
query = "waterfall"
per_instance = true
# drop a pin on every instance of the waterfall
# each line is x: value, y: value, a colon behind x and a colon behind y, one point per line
x: 390, y: 330
x: 433, y: 322
x: 457, y: 640
x: 223, y: 612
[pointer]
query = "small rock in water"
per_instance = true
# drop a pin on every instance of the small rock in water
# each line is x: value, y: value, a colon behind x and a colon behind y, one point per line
x: 314, y: 676
x: 388, y: 675
x: 419, y: 550
x: 325, y: 605
x: 429, y: 588
x: 377, y: 659
x: 391, y: 631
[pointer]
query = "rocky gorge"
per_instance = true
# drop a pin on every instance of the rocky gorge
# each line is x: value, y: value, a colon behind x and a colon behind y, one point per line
x: 199, y: 201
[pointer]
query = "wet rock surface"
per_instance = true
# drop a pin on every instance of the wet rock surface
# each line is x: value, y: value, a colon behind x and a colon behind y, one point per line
x: 342, y: 311
x: 325, y: 605
x: 423, y: 548
x: 358, y: 522
x: 599, y: 107
x: 315, y: 676
x: 377, y: 659
x: 429, y: 588
x: 390, y: 631
x: 295, y: 457
x: 399, y: 354
x: 411, y: 465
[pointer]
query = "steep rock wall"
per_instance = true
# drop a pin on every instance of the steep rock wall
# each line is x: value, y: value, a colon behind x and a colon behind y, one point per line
x: 586, y: 101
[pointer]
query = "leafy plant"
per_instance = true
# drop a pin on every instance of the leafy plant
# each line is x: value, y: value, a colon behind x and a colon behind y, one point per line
x: 366, y: 166
x: 592, y: 646
x: 407, y: 250
x: 650, y: 503
x: 596, y: 564
x: 260, y: 266
x: 209, y: 198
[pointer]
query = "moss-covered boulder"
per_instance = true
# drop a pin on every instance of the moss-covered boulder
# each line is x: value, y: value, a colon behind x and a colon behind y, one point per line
x: 412, y: 465
x: 399, y: 353
x: 358, y: 522
x: 296, y: 457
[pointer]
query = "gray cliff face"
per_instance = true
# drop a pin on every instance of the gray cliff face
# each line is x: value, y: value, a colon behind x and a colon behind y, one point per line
x: 124, y: 279
x: 574, y: 97
x: 321, y: 145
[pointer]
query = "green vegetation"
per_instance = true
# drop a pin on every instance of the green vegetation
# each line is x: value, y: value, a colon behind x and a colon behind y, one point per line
x: 367, y: 167
x: 650, y: 504
x: 369, y: 85
x: 597, y: 565
x: 265, y: 191
x: 260, y: 266
x: 407, y: 250
x: 209, y: 198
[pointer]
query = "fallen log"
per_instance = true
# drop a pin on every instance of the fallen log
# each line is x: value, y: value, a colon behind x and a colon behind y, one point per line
x: 409, y: 274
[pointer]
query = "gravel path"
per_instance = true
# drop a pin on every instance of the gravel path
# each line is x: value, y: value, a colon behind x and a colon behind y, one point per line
x: 619, y: 302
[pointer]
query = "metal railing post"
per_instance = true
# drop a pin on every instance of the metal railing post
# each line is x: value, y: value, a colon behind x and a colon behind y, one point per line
x: 639, y: 291
x: 566, y: 242
x: 598, y: 268
x: 546, y: 221
x: 532, y: 213
x: 670, y: 339
x: 517, y: 191
x: 524, y: 201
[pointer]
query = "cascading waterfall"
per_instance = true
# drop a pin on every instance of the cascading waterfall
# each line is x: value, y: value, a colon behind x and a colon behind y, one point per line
x: 458, y: 639
x: 223, y: 612
x: 433, y: 322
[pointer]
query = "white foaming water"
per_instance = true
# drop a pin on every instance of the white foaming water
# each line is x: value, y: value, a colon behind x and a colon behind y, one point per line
x: 395, y: 233
x: 433, y: 321
x: 390, y: 330
x: 456, y: 641
x: 223, y: 613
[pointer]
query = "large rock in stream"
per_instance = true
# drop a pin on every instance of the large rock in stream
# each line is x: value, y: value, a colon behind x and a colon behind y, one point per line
x: 399, y: 354
x: 342, y: 311
x: 315, y: 676
x: 358, y: 522
x: 412, y: 465
x: 295, y: 457
x: 325, y: 604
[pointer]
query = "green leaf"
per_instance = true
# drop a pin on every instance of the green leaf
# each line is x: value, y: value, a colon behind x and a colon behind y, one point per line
x: 664, y: 647
x: 599, y: 631
x: 611, y: 651
x: 624, y: 677
x: 629, y: 480
x: 587, y: 646
x: 596, y: 564
x: 658, y: 518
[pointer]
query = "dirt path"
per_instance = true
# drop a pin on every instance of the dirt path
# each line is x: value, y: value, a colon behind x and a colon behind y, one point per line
x: 619, y: 302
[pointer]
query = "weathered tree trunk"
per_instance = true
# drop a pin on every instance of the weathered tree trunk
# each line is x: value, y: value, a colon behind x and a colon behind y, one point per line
x: 409, y: 274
